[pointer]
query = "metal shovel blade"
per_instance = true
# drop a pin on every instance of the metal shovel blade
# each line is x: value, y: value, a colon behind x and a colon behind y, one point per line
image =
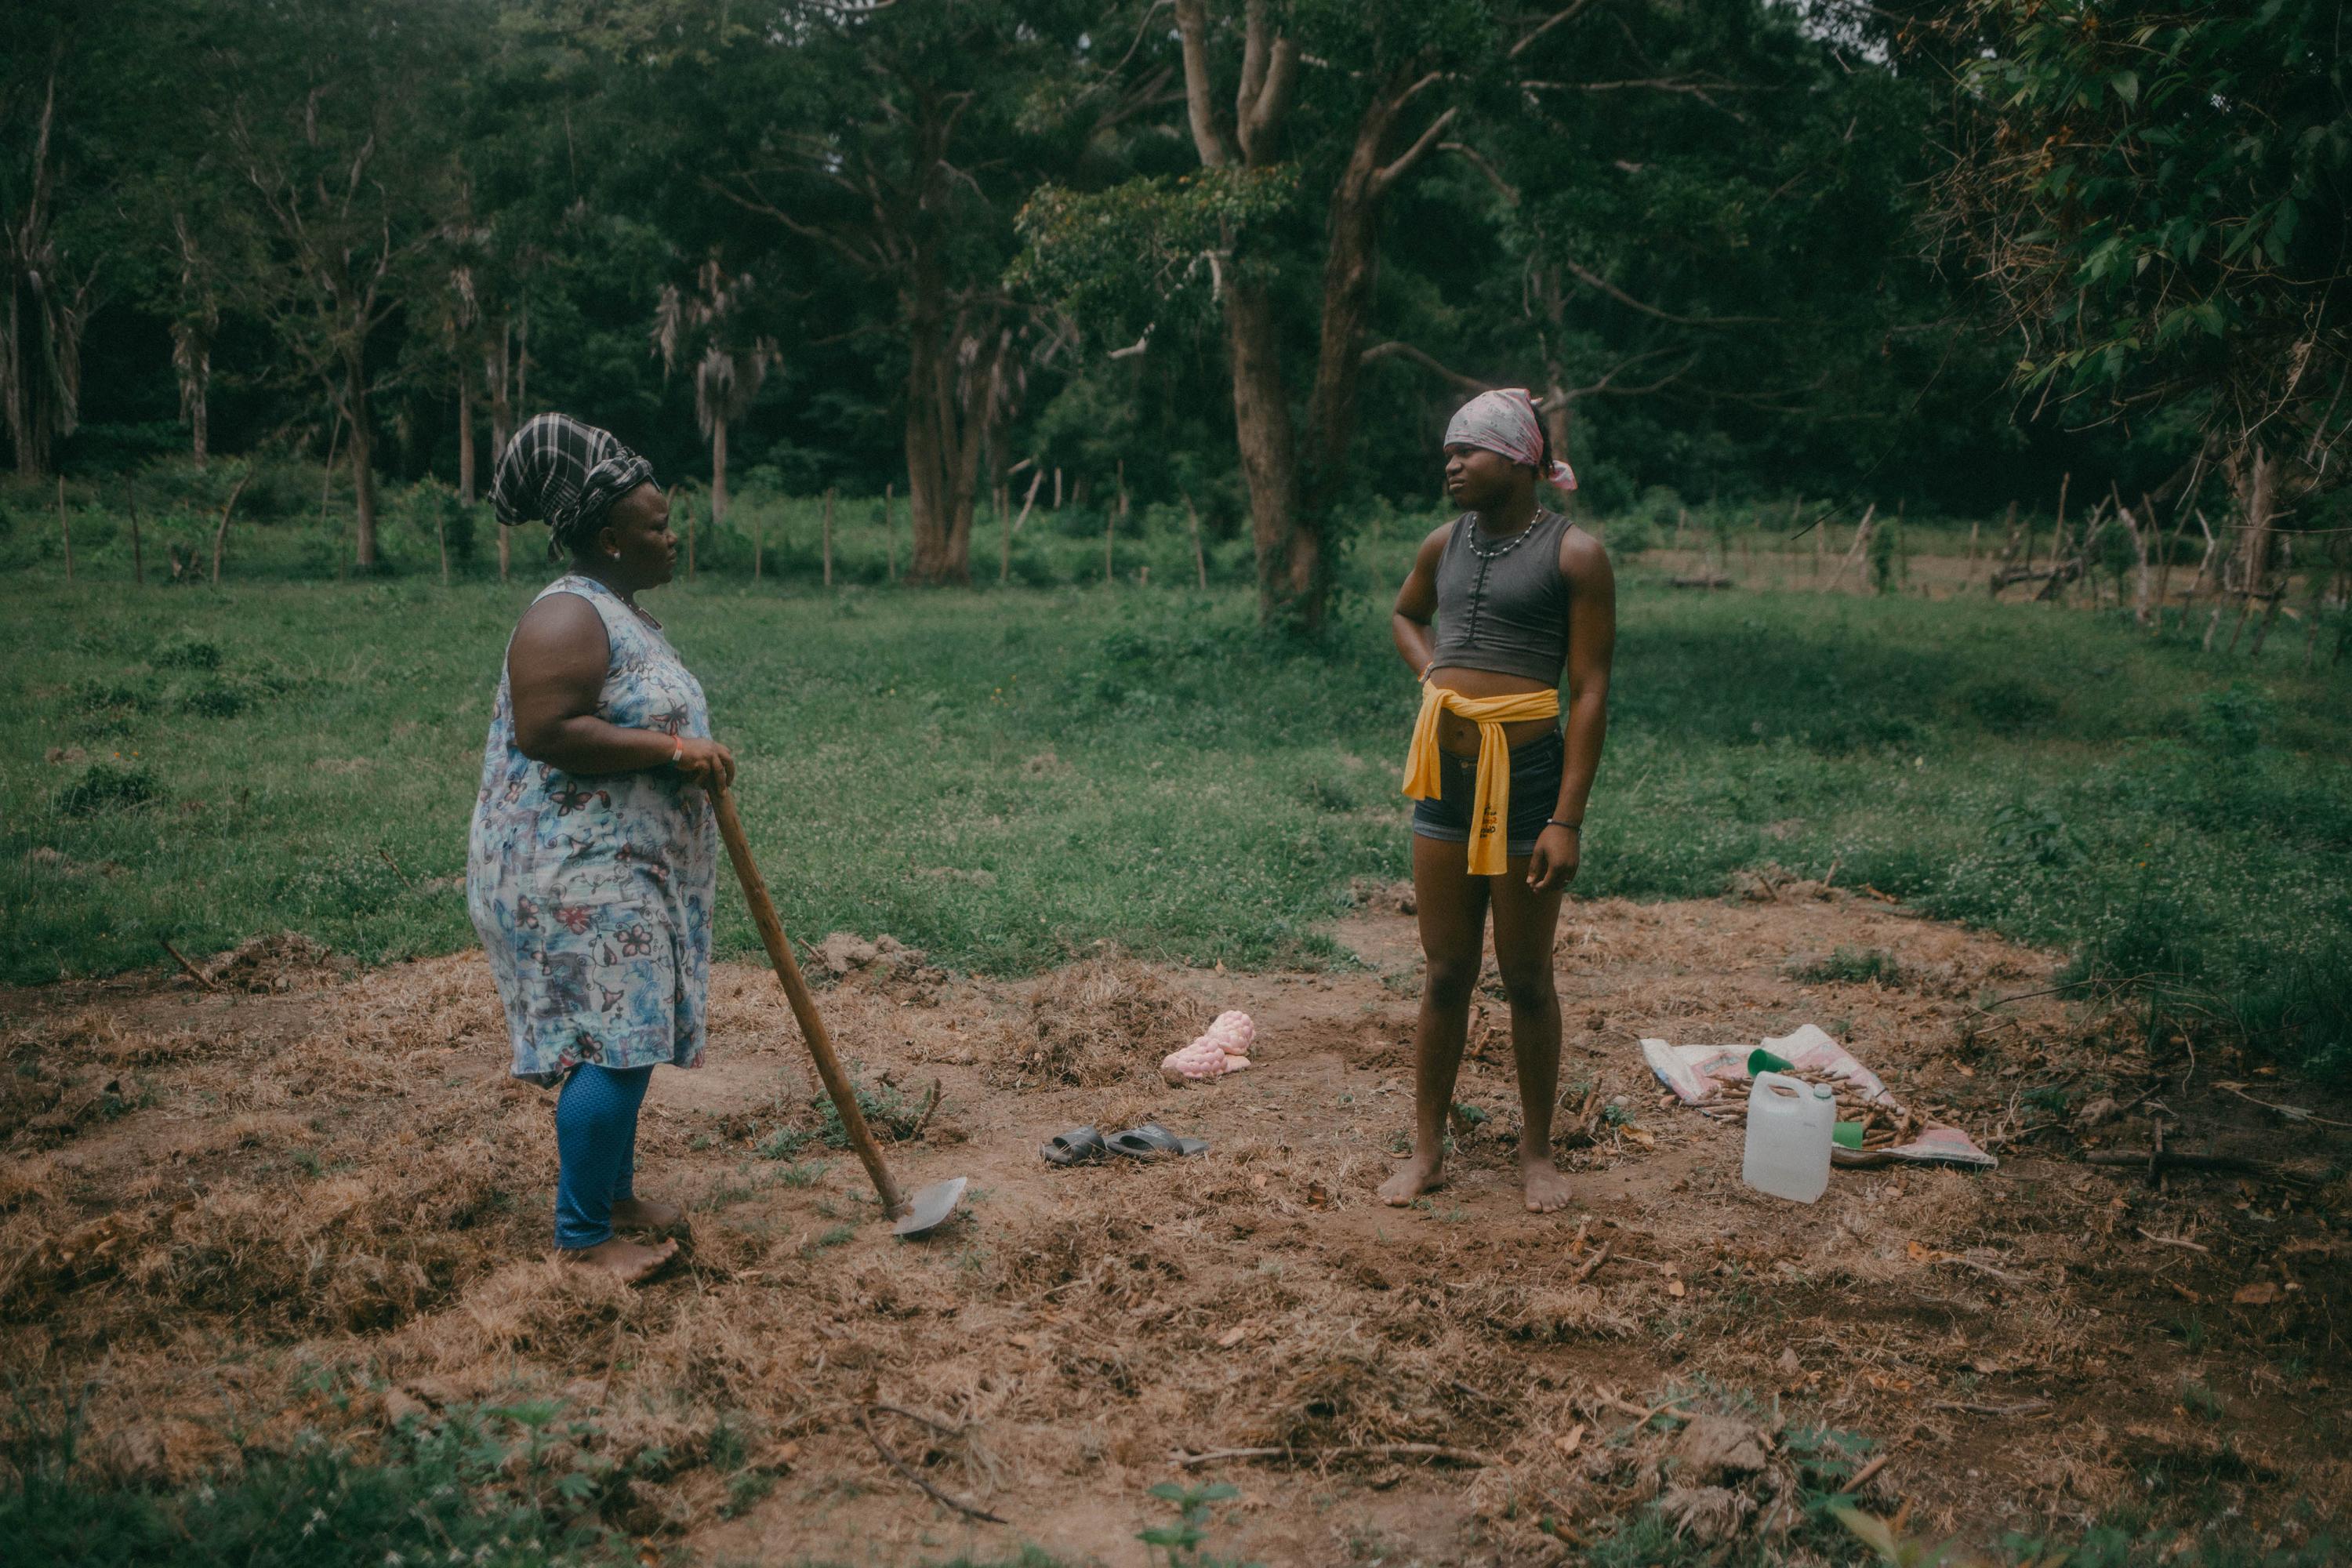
x: 931, y: 1207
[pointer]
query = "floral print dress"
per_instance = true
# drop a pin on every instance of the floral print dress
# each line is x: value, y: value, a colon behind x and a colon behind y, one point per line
x: 592, y: 893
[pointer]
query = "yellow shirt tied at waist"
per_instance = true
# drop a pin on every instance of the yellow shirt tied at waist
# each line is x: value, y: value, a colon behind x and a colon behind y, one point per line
x: 1490, y: 813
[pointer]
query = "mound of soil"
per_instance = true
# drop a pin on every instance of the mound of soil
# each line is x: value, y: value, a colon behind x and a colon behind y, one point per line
x: 329, y: 1209
x: 1100, y: 1020
x: 275, y: 962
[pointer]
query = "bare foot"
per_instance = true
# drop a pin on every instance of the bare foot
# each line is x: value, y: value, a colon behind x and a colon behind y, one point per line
x: 645, y: 1214
x: 1547, y: 1188
x: 631, y: 1261
x: 1415, y: 1176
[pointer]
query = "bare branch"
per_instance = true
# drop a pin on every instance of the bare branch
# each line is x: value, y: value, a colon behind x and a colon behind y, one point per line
x: 1406, y: 350
x: 1273, y: 106
x: 1257, y: 49
x: 1594, y: 280
x: 1607, y: 385
x: 1412, y: 154
x: 1554, y: 20
x: 1208, y: 136
x: 1478, y: 160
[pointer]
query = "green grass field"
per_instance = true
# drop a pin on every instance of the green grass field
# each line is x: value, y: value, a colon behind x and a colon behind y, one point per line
x: 1006, y: 776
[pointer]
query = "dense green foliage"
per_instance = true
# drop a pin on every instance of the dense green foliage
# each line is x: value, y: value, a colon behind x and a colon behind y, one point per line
x: 1696, y: 215
x: 1007, y: 777
x: 500, y: 1485
x: 2160, y: 196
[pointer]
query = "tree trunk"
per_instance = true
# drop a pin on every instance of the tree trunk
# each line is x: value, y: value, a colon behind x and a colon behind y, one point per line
x: 464, y: 435
x: 2254, y: 475
x: 1350, y: 267
x: 200, y: 414
x: 359, y: 448
x: 1262, y: 427
x: 41, y: 347
x: 718, y: 472
x: 192, y: 359
x: 950, y: 409
x: 497, y: 391
x: 2143, y: 578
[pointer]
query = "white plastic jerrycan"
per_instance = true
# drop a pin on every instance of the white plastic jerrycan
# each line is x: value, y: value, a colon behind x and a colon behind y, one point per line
x: 1788, y: 1127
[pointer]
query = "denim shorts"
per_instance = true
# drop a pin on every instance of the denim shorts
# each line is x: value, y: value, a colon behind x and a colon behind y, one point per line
x: 1536, y: 767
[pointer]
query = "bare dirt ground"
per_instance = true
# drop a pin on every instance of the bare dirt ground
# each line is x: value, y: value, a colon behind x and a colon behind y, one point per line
x: 311, y: 1200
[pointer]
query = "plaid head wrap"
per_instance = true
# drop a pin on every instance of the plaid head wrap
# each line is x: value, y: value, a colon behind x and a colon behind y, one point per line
x: 1504, y: 422
x: 567, y: 473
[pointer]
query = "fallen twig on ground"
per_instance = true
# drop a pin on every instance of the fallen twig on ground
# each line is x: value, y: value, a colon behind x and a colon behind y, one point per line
x: 2173, y: 1159
x: 1386, y: 1450
x: 2292, y: 1112
x: 1592, y: 1265
x: 970, y: 1511
x: 2024, y: 1408
x: 2172, y: 1240
x: 198, y: 975
x: 1862, y: 1476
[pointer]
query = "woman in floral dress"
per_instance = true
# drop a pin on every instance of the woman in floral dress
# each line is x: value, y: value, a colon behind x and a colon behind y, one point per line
x: 592, y: 867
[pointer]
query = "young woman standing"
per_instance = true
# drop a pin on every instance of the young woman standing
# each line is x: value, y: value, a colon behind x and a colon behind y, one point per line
x: 1521, y: 598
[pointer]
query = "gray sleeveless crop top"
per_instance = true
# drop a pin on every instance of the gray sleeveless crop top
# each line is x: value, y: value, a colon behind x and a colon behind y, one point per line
x: 1502, y: 604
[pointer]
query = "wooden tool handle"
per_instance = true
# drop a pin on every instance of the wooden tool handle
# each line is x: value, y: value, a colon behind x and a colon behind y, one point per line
x: 796, y: 991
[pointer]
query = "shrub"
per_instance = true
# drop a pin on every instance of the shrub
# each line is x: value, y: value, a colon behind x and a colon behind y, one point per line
x: 188, y: 653
x: 106, y: 788
x: 2236, y: 718
x: 2006, y: 704
x: 501, y: 1488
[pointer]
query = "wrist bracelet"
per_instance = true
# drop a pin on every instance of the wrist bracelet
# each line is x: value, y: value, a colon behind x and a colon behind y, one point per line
x: 677, y: 751
x: 1575, y: 828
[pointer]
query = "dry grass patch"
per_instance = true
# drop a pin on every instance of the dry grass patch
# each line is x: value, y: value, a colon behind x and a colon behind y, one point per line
x: 1100, y: 1020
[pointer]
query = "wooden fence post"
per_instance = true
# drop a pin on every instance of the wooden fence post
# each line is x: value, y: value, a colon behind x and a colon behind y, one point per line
x: 2164, y: 566
x: 1013, y: 524
x: 1861, y: 542
x: 1200, y: 560
x: 220, y: 534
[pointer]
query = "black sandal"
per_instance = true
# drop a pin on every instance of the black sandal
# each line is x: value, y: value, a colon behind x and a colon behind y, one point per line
x: 1153, y: 1142
x: 1078, y: 1146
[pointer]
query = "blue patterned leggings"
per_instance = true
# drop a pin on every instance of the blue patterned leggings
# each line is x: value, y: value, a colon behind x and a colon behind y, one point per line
x: 596, y: 1139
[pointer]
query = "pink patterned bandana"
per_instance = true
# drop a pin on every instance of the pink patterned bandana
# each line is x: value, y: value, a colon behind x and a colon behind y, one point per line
x: 1504, y: 422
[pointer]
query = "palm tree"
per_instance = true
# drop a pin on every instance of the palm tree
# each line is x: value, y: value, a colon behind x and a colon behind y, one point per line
x: 731, y: 363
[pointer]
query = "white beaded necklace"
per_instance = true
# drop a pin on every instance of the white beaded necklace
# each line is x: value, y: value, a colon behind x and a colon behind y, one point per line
x: 1483, y: 553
